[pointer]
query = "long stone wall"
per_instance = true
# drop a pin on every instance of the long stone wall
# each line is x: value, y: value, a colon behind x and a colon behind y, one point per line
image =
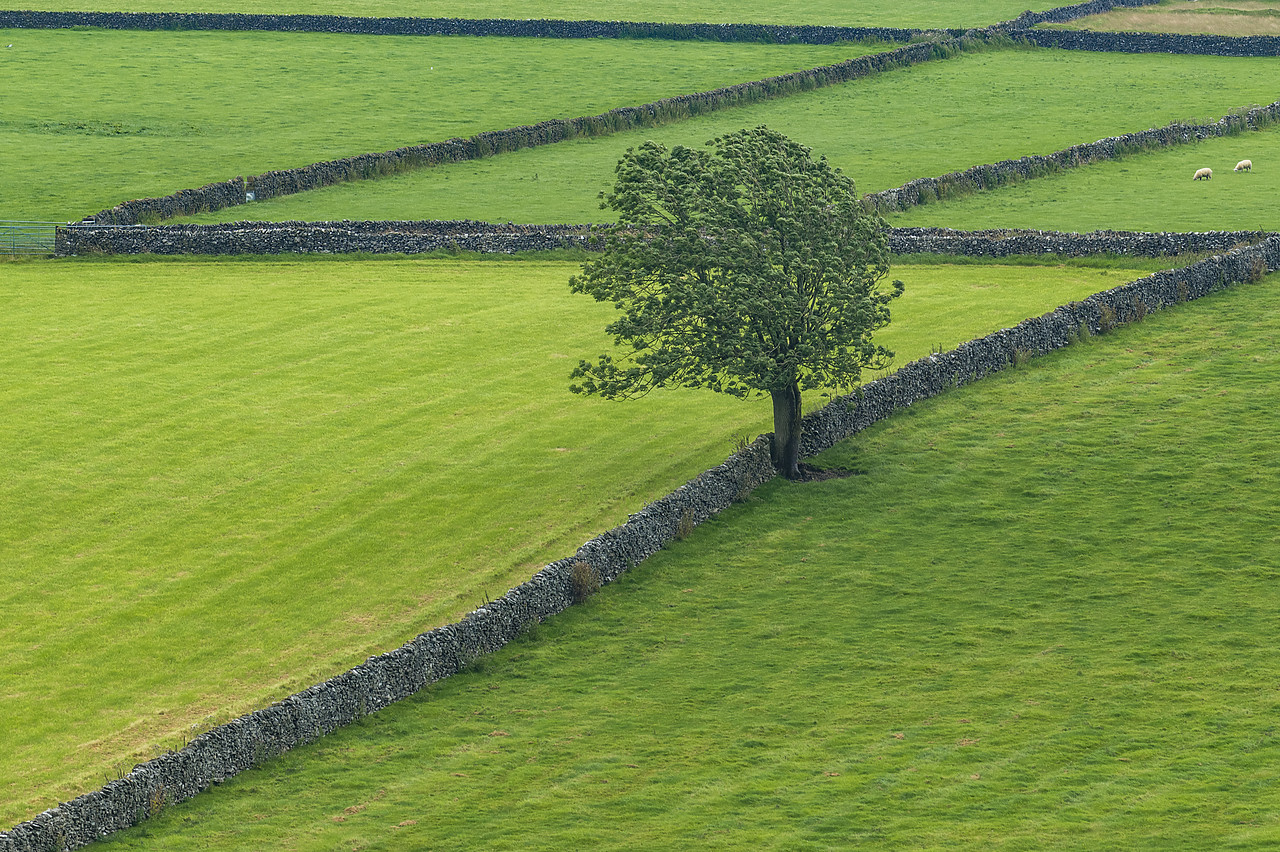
x: 1006, y: 242
x: 1204, y: 45
x: 427, y: 236
x: 231, y: 748
x: 544, y: 28
x: 317, y: 238
x: 537, y: 28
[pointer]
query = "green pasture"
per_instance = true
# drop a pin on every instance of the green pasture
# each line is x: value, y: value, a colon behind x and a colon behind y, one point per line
x: 1149, y: 191
x: 883, y: 131
x: 92, y: 118
x: 229, y: 480
x: 1040, y: 616
x: 864, y: 13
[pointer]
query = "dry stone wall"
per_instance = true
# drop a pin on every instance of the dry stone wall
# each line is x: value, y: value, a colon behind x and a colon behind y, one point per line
x: 1007, y: 242
x: 427, y: 236
x: 318, y: 238
x: 1204, y: 45
x: 544, y: 28
x: 971, y: 361
x: 231, y: 748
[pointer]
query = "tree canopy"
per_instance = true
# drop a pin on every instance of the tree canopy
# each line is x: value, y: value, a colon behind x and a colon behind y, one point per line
x: 744, y: 267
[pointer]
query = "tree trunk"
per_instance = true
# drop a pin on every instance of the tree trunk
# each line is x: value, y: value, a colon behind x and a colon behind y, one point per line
x: 786, y: 430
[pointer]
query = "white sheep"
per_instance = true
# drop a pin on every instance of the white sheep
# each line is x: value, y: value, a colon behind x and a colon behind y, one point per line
x: 1244, y: 166
x: 1203, y: 174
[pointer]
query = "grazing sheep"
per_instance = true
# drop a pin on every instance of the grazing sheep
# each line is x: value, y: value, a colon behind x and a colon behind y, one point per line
x: 1244, y: 166
x: 1203, y: 174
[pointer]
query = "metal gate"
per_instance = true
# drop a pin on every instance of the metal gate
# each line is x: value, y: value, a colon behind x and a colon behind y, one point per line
x: 26, y: 237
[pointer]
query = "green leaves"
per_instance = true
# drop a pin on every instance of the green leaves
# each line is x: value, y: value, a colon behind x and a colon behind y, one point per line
x: 742, y: 267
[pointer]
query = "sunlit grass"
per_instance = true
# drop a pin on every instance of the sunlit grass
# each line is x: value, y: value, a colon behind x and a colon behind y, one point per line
x: 883, y: 131
x: 153, y: 113
x: 1149, y: 191
x: 1041, y: 616
x: 229, y: 480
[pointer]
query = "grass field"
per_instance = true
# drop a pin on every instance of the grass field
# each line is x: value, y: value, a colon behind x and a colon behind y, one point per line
x: 92, y: 118
x: 883, y: 131
x: 1151, y: 191
x: 1041, y: 616
x: 230, y: 480
x: 1216, y: 17
x: 909, y: 13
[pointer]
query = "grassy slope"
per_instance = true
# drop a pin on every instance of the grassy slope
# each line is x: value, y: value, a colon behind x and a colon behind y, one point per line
x: 907, y: 13
x: 1218, y: 17
x: 152, y: 113
x: 229, y: 480
x: 884, y: 131
x: 1041, y: 617
x: 1152, y: 191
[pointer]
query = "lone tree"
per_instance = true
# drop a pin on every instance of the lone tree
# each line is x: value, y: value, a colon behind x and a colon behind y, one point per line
x: 746, y: 267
